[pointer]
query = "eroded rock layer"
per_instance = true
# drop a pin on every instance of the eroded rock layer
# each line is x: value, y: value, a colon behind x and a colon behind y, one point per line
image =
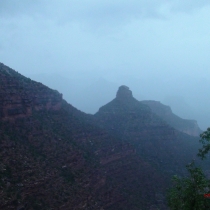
x: 20, y: 95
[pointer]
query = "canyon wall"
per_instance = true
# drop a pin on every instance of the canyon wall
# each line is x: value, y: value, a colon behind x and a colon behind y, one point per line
x: 20, y: 95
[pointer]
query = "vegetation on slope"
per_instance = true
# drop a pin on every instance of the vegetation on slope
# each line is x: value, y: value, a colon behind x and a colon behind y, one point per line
x: 192, y: 192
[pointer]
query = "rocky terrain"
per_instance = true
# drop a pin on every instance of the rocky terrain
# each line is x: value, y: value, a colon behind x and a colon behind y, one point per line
x: 52, y: 156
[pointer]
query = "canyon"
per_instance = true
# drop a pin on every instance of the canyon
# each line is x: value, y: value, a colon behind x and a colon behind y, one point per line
x: 53, y: 156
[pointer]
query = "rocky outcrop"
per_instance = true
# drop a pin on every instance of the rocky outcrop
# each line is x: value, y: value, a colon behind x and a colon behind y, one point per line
x: 124, y: 93
x: 19, y: 95
x: 189, y: 127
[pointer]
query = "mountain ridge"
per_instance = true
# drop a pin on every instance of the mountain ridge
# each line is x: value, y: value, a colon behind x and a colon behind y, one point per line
x: 54, y: 156
x: 153, y: 137
x: 184, y: 125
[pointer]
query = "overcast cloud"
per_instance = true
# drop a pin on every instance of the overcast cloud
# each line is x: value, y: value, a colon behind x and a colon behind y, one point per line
x: 159, y: 48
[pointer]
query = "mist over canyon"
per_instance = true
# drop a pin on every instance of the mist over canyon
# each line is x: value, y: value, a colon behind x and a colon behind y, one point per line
x: 89, y: 93
x: 121, y: 157
x: 102, y: 103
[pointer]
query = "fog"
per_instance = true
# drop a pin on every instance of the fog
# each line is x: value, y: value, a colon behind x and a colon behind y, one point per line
x: 86, y: 49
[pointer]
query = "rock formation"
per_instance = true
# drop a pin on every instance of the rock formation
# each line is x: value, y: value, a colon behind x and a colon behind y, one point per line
x: 154, y: 139
x: 124, y: 93
x: 187, y: 126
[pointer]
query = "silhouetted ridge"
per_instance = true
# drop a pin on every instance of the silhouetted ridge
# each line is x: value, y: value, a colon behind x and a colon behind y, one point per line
x: 189, y: 127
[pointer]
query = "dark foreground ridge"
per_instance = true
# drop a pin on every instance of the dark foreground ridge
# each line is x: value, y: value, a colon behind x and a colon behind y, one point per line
x: 53, y: 156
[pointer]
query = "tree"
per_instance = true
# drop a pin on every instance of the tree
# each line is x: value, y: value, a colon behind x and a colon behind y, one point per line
x: 205, y: 140
x: 189, y: 193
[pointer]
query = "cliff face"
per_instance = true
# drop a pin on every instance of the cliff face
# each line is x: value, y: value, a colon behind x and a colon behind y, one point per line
x: 189, y: 127
x: 19, y: 95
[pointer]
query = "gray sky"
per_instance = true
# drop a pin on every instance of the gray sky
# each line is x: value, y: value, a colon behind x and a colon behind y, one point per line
x: 159, y: 48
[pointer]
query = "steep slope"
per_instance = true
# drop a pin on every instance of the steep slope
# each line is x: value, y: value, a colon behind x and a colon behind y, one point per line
x: 19, y: 96
x: 166, y: 149
x: 187, y: 126
x: 53, y: 156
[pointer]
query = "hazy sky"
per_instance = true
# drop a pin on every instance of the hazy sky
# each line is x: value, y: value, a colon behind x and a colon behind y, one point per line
x: 160, y: 48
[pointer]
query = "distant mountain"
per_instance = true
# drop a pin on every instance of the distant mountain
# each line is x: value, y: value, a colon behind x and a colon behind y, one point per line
x: 53, y: 156
x: 187, y: 126
x: 155, y: 140
x: 89, y: 92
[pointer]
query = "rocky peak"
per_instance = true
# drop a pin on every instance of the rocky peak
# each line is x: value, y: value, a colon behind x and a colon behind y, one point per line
x: 124, y: 93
